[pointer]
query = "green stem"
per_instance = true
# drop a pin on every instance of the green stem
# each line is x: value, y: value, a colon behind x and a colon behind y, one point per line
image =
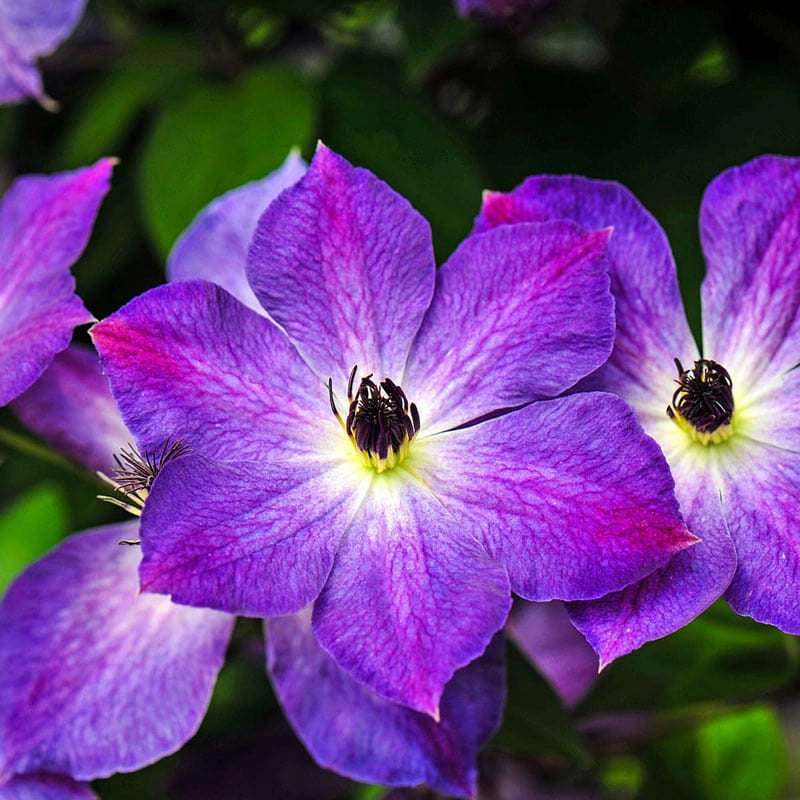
x: 30, y: 447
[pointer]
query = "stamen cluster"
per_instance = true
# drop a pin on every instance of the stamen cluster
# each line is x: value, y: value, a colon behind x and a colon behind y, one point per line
x: 380, y: 420
x: 135, y: 473
x: 704, y: 400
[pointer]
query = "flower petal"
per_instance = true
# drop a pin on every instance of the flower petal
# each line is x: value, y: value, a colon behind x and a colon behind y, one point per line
x: 575, y: 500
x: 544, y: 633
x: 42, y: 786
x: 675, y: 594
x: 760, y: 487
x: 651, y: 323
x: 214, y: 247
x: 44, y: 225
x: 29, y: 30
x: 750, y: 229
x: 188, y: 361
x: 72, y: 409
x: 411, y: 598
x: 519, y: 313
x: 245, y: 539
x: 345, y: 265
x: 350, y: 729
x: 97, y: 678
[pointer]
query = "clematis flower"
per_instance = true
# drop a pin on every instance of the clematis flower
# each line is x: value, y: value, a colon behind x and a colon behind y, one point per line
x: 383, y: 450
x: 45, y: 222
x: 143, y: 671
x: 725, y: 416
x: 29, y: 30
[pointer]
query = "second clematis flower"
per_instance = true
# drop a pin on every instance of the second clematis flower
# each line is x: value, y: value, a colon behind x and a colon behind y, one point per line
x: 383, y: 443
x: 725, y: 417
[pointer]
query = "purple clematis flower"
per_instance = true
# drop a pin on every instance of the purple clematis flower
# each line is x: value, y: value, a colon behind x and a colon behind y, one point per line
x: 45, y: 222
x: 152, y: 664
x: 726, y: 419
x: 30, y: 29
x: 408, y: 495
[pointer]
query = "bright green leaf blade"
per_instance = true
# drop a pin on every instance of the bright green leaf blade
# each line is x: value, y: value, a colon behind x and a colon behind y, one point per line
x: 29, y: 528
x: 217, y: 137
x: 156, y: 67
x: 742, y: 755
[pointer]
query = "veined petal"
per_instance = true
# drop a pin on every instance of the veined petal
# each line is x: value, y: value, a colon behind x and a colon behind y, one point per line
x: 42, y: 786
x: 350, y: 729
x: 188, y: 361
x: 544, y: 633
x: 29, y: 30
x: 575, y: 500
x: 519, y: 313
x: 651, y: 323
x: 214, y: 247
x: 98, y: 678
x: 256, y: 540
x: 750, y: 230
x: 411, y: 597
x: 345, y: 265
x: 687, y: 585
x: 45, y: 223
x: 72, y: 409
x: 760, y: 487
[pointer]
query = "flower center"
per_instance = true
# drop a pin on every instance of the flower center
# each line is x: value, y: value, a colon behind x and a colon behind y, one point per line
x: 134, y: 475
x: 380, y: 421
x: 702, y: 405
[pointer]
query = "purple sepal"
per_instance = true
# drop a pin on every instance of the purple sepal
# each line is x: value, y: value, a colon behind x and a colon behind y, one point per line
x: 675, y: 594
x: 98, y: 678
x: 28, y: 30
x: 411, y: 597
x: 348, y: 728
x: 45, y: 223
x: 71, y: 408
x: 41, y: 786
x: 214, y: 247
x: 345, y: 265
x: 651, y: 327
x: 528, y: 301
x: 239, y: 538
x: 544, y: 633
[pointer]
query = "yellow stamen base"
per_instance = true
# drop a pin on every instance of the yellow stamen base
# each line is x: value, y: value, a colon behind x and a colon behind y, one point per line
x: 721, y: 434
x: 393, y: 458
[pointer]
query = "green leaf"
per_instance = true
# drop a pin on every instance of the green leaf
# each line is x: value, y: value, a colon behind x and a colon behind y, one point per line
x: 720, y: 656
x: 155, y: 68
x: 534, y: 720
x: 29, y: 527
x: 742, y: 755
x: 217, y: 137
x: 375, y: 122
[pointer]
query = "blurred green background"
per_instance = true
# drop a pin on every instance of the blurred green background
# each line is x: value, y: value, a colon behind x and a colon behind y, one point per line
x: 199, y: 96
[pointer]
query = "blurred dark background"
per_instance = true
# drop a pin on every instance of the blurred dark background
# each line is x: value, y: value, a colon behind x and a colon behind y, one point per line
x: 198, y: 96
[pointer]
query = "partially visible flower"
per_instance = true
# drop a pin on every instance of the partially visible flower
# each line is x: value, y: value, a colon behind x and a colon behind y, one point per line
x: 727, y: 420
x: 45, y: 787
x: 503, y: 11
x: 144, y: 669
x: 30, y: 29
x: 408, y: 511
x: 552, y: 644
x: 45, y: 222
